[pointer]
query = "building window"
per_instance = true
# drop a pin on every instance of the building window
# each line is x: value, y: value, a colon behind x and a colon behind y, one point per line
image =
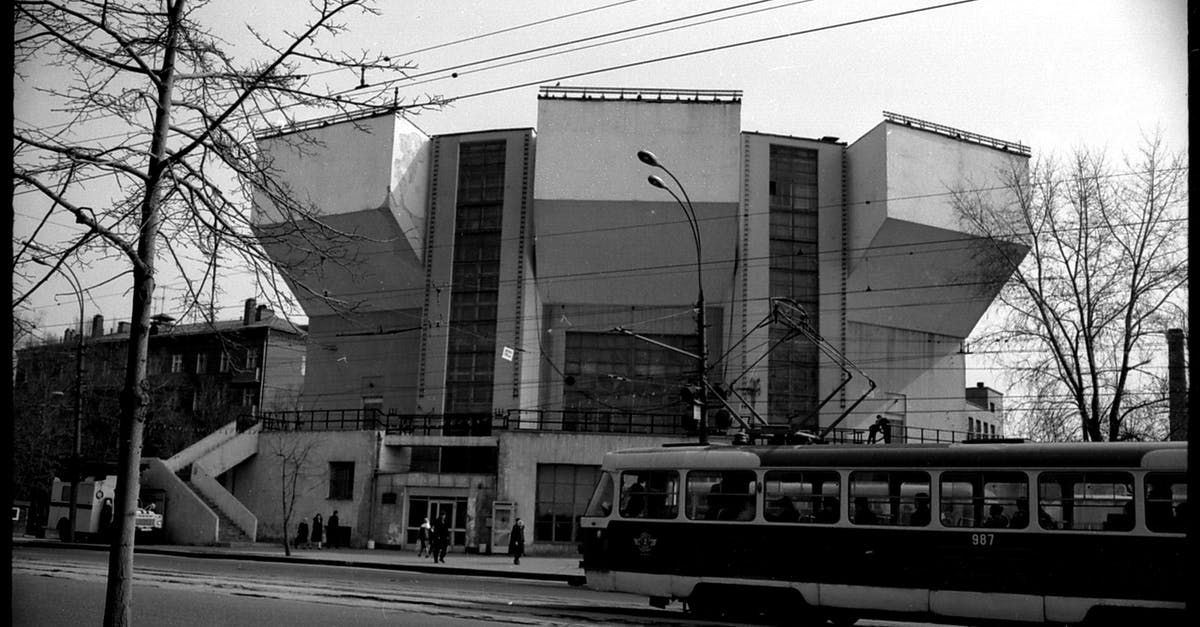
x: 563, y: 491
x: 477, y: 460
x: 793, y: 274
x: 251, y: 358
x: 341, y: 481
x: 201, y: 363
x: 224, y: 364
x: 248, y: 397
x: 425, y: 459
x: 475, y: 278
x: 618, y: 372
x: 177, y: 362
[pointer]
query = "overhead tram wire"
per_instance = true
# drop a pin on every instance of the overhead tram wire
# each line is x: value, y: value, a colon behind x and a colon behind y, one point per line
x: 530, y: 51
x: 636, y: 63
x: 681, y: 55
x: 605, y: 43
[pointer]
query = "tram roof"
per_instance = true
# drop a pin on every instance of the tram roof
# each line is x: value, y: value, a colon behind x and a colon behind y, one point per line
x: 1150, y: 455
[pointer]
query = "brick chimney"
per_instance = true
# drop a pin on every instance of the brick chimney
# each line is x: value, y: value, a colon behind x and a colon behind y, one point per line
x: 248, y: 312
x: 97, y: 325
x: 122, y: 327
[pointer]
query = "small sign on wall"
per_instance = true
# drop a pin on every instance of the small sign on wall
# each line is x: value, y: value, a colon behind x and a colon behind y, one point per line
x: 508, y: 353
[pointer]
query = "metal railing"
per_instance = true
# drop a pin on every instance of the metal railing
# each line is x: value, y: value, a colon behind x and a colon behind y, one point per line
x: 588, y: 421
x: 570, y: 421
x: 641, y: 93
x: 956, y: 133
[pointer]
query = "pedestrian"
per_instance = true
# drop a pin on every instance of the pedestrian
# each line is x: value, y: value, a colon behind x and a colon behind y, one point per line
x: 106, y: 517
x: 441, y: 538
x: 423, y: 538
x: 331, y: 530
x: 882, y: 427
x: 516, y: 541
x: 302, y: 535
x: 318, y: 531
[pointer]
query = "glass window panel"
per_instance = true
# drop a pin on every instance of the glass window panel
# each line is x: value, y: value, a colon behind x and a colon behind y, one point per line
x: 649, y: 494
x: 1099, y: 501
x: 801, y: 496
x: 1166, y: 502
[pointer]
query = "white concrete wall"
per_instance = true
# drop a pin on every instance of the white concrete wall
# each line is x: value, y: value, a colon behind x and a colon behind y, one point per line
x: 349, y: 166
x: 257, y: 485
x: 188, y: 520
x: 927, y: 369
x: 922, y: 167
x: 587, y: 149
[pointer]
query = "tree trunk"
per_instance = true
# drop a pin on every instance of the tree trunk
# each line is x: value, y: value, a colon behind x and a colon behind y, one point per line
x: 134, y: 397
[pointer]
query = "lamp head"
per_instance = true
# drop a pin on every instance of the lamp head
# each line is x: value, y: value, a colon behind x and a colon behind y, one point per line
x: 648, y: 158
x: 656, y: 181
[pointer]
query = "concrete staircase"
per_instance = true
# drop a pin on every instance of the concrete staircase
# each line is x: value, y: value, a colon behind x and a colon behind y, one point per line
x: 228, y: 533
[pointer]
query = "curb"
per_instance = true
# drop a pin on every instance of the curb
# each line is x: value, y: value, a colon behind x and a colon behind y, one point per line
x: 573, y: 580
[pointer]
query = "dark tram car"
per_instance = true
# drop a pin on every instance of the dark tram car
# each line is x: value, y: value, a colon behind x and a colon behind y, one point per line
x: 964, y: 533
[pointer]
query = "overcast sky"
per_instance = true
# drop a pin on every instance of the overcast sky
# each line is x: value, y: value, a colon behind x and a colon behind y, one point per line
x: 1054, y: 75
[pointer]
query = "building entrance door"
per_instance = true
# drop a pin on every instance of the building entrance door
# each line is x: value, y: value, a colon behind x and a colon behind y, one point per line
x: 455, y: 509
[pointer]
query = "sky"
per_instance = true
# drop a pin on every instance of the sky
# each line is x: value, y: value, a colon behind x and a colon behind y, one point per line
x: 1054, y: 75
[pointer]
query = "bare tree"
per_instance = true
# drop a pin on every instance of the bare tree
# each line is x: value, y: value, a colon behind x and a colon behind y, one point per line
x: 1084, y: 313
x: 294, y: 465
x: 177, y: 172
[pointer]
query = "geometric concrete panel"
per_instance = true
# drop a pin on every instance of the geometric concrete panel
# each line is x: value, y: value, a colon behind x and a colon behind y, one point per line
x: 924, y: 278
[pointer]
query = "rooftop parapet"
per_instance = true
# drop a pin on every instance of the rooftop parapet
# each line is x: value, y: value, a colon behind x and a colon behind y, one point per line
x: 959, y: 134
x: 644, y: 94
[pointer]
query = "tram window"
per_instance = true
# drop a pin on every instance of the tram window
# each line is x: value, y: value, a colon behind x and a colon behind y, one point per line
x: 998, y: 500
x: 1166, y: 502
x: 889, y: 498
x: 649, y: 494
x: 800, y: 496
x: 1093, y: 501
x: 721, y: 495
x: 602, y: 497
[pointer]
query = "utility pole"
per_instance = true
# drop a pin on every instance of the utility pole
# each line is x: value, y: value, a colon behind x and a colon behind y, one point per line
x: 1177, y: 386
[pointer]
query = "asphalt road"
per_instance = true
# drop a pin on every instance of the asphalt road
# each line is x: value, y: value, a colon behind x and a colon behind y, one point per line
x: 62, y: 587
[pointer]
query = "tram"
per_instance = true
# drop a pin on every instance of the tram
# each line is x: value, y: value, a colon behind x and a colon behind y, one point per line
x: 1020, y: 533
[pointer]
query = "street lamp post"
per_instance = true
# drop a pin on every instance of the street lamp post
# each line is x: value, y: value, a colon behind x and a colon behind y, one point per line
x: 73, y: 507
x: 647, y: 157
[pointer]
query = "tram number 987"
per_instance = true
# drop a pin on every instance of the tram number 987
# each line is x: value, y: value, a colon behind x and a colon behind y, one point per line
x: 983, y: 539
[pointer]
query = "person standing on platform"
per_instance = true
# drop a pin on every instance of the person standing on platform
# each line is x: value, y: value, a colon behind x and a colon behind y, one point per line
x: 441, y: 538
x: 318, y: 531
x: 516, y: 541
x: 331, y: 530
x: 423, y: 539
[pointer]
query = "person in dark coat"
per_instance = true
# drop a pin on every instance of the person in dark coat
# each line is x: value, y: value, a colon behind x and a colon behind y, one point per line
x: 318, y: 531
x: 331, y: 528
x: 516, y: 541
x: 106, y: 518
x: 441, y: 538
x: 302, y: 535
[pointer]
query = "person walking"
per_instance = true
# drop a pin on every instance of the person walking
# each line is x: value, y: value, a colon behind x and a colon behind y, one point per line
x: 423, y: 539
x: 331, y: 530
x: 302, y: 535
x: 318, y: 531
x: 516, y: 541
x: 441, y: 538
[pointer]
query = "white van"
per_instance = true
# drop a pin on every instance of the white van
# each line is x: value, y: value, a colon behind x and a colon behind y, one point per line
x: 92, y: 518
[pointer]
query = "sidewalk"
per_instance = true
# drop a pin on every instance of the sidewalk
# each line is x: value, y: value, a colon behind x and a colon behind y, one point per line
x: 562, y: 569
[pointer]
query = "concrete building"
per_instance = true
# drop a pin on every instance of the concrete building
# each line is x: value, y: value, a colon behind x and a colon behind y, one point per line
x: 476, y: 333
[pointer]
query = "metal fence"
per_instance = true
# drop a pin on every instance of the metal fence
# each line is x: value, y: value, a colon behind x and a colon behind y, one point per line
x: 572, y: 421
